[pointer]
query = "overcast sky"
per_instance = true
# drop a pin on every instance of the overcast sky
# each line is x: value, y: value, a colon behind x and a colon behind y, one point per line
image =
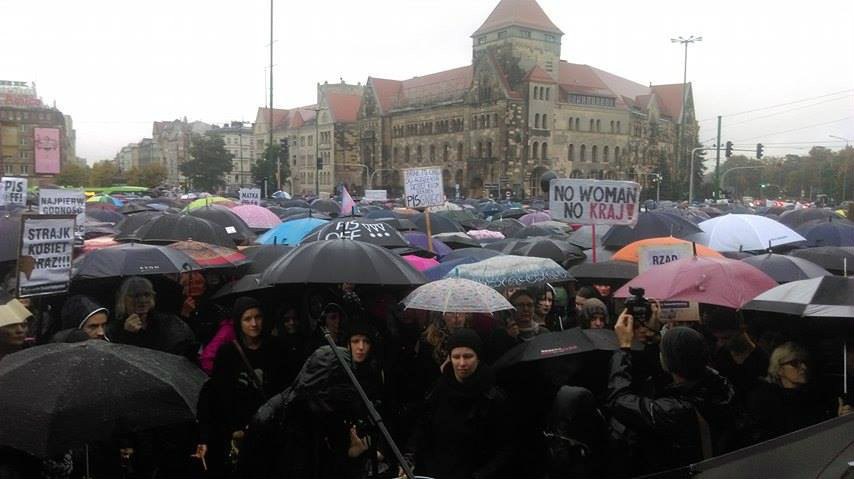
x: 117, y: 66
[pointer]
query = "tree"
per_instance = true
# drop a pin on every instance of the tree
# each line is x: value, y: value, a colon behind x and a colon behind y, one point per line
x: 150, y: 175
x: 104, y: 173
x: 265, y: 167
x: 73, y: 174
x: 210, y: 162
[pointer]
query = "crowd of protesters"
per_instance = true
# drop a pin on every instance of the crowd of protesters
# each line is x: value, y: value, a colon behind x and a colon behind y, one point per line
x: 277, y: 405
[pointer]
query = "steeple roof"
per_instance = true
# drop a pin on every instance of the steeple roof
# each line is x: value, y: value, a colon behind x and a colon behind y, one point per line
x: 523, y: 13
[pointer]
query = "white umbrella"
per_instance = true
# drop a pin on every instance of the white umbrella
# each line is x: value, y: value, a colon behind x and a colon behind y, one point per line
x: 735, y: 232
x: 456, y: 295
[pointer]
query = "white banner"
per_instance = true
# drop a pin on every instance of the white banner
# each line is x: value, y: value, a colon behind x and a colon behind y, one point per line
x: 64, y: 202
x: 652, y: 255
x: 423, y: 187
x: 376, y: 195
x: 250, y: 196
x: 594, y: 202
x: 47, y: 245
x: 13, y: 190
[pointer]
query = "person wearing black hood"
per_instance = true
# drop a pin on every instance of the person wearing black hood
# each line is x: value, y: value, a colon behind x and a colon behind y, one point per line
x: 687, y: 421
x: 247, y: 371
x: 465, y: 430
x: 81, y: 313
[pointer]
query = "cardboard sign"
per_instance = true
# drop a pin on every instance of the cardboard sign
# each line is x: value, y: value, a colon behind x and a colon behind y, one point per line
x: 250, y: 196
x: 649, y: 256
x: 64, y: 202
x: 13, y: 191
x: 46, y: 248
x: 422, y: 187
x: 376, y: 195
x: 599, y: 202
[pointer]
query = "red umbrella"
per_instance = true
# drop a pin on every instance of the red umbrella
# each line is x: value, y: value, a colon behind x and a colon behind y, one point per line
x: 704, y: 279
x: 209, y: 255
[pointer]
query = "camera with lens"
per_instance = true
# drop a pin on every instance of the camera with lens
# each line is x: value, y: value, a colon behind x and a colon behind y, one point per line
x: 638, y: 306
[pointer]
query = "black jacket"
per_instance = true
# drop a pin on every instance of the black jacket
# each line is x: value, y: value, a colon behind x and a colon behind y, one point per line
x: 777, y: 411
x: 465, y: 430
x: 165, y: 332
x: 667, y: 426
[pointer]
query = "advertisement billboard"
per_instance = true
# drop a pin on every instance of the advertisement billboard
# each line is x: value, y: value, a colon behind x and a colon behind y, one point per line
x: 47, y: 144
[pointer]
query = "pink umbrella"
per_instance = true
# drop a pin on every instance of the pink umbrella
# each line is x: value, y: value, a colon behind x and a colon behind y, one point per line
x: 257, y: 217
x: 420, y: 263
x: 532, y: 218
x: 99, y: 243
x: 704, y: 279
x: 485, y: 234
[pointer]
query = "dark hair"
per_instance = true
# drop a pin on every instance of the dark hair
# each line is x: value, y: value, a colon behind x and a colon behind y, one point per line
x: 586, y: 292
x: 523, y: 292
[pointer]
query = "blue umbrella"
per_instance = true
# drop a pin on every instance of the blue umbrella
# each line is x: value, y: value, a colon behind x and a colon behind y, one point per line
x: 827, y: 233
x: 416, y: 238
x: 290, y: 232
x: 442, y: 269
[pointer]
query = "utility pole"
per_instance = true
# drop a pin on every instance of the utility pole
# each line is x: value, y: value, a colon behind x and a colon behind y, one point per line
x: 844, y: 166
x: 681, y: 127
x: 718, y: 162
x: 270, y: 144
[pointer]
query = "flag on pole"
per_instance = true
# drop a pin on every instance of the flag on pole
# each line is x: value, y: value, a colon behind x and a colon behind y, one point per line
x: 347, y: 203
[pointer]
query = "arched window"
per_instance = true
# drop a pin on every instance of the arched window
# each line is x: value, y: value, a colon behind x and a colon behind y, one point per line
x: 480, y: 149
x: 583, y: 152
x: 489, y: 149
x: 446, y: 152
x: 406, y: 154
x: 545, y: 150
x: 594, y: 154
x: 535, y: 150
x: 481, y: 121
x: 432, y: 153
x: 536, y: 92
x: 612, y: 126
x: 618, y: 127
x: 571, y: 156
x: 570, y: 123
x: 592, y: 124
x: 617, y: 153
x: 547, y: 93
x: 605, y: 153
x: 545, y: 122
x: 396, y: 153
x: 537, y: 120
x: 598, y: 125
x: 418, y: 156
x: 486, y: 120
x: 459, y: 152
x: 577, y: 124
x: 495, y: 119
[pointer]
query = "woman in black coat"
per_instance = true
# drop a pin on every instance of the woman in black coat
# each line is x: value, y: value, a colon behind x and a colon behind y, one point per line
x: 465, y: 430
x: 235, y: 390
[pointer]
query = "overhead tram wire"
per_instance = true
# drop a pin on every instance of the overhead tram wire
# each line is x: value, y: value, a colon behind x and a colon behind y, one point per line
x: 793, y: 129
x: 728, y: 115
x: 789, y: 110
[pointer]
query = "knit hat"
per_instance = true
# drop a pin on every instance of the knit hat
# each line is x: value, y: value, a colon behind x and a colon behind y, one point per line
x: 464, y: 338
x: 684, y: 352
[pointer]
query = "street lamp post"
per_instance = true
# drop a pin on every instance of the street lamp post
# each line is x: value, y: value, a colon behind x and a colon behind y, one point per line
x: 844, y: 166
x: 379, y: 170
x: 684, y: 41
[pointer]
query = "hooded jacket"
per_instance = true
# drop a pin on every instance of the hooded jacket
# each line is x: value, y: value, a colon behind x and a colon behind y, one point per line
x: 75, y: 312
x: 668, y: 425
x: 590, y: 308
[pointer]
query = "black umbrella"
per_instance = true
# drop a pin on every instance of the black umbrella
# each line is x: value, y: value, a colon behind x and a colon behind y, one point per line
x: 836, y: 259
x: 247, y: 284
x: 262, y: 256
x: 10, y: 236
x: 95, y: 229
x: 358, y: 229
x: 234, y: 226
x: 130, y: 208
x: 400, y: 224
x: 693, y: 215
x: 827, y: 233
x: 299, y: 213
x: 292, y: 203
x: 558, y: 251
x: 546, y: 228
x: 508, y: 226
x: 474, y: 224
x: 438, y: 224
x: 330, y: 207
x: 171, y: 228
x: 821, y: 297
x: 583, y: 237
x: 129, y: 224
x: 106, y: 216
x: 64, y: 395
x: 477, y: 253
x: 457, y: 240
x: 785, y: 269
x: 605, y: 270
x: 385, y: 213
x: 795, y: 218
x: 334, y: 262
x: 514, y: 213
x: 651, y: 224
x: 557, y: 344
x: 132, y: 259
x: 736, y: 254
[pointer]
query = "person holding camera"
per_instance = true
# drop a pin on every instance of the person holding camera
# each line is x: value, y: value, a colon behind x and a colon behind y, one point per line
x: 688, y: 418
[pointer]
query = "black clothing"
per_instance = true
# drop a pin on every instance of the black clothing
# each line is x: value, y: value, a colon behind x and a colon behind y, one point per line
x: 668, y: 427
x: 465, y: 430
x: 777, y: 410
x: 742, y: 376
x: 164, y: 332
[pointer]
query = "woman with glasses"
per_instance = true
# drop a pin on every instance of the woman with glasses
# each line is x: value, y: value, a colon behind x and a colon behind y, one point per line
x: 137, y: 323
x: 785, y: 401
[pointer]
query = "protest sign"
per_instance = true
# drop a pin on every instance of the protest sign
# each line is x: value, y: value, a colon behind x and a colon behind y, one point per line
x: 44, y: 259
x: 64, y: 202
x: 679, y: 311
x: 594, y: 202
x: 654, y: 255
x: 376, y: 195
x: 13, y: 191
x: 250, y: 196
x: 423, y: 187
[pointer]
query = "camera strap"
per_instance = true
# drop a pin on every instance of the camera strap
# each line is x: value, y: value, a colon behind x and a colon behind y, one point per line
x: 253, y: 376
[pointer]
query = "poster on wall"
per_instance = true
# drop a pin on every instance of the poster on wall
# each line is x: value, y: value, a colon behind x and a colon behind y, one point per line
x: 45, y: 254
x: 47, y: 146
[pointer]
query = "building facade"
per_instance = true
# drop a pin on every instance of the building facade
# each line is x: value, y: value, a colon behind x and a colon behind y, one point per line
x: 21, y: 113
x: 239, y: 140
x: 173, y: 139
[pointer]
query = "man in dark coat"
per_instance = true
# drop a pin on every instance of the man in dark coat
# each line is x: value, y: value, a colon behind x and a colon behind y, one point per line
x: 687, y: 421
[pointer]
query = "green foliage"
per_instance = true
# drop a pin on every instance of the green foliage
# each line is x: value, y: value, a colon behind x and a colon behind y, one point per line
x: 209, y: 164
x: 265, y: 167
x: 104, y: 173
x: 73, y: 174
x: 151, y: 175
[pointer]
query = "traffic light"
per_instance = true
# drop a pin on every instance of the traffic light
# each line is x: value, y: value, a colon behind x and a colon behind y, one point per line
x: 728, y: 149
x: 759, y: 151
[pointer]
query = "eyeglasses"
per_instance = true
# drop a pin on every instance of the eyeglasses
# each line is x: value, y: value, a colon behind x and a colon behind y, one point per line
x: 795, y: 363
